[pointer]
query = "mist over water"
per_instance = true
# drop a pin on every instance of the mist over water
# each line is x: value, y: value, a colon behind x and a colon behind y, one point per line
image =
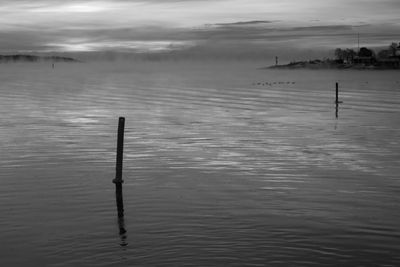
x: 224, y: 164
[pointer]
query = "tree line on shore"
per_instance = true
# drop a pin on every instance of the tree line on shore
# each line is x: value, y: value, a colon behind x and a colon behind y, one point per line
x: 366, y: 55
x: 34, y: 58
x: 364, y: 58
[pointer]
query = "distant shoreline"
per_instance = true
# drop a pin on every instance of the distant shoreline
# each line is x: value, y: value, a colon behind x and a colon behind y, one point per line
x: 32, y: 58
x: 332, y: 64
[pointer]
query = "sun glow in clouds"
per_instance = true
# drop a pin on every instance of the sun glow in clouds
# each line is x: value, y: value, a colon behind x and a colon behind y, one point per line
x: 84, y: 8
x: 18, y: 8
x: 132, y: 46
x: 89, y: 7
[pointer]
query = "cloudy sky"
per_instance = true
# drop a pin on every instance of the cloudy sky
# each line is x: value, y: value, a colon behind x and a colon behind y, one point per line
x: 214, y: 27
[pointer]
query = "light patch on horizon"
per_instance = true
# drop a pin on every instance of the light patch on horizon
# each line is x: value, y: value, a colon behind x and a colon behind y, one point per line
x: 129, y: 46
x: 92, y: 7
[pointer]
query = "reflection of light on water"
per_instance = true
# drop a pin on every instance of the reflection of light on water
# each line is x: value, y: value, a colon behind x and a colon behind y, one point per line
x: 221, y: 163
x: 81, y: 120
x: 278, y: 188
x: 230, y: 154
x: 358, y: 192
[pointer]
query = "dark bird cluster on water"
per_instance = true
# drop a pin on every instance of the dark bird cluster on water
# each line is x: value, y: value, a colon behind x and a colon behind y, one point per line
x: 271, y: 83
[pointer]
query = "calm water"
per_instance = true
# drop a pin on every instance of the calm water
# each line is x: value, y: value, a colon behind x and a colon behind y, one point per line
x: 225, y: 165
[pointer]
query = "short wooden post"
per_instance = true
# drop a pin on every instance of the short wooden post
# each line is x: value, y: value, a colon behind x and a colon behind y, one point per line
x: 337, y: 93
x: 118, y: 177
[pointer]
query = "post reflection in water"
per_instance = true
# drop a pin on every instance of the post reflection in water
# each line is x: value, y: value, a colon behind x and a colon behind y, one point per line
x: 122, y: 232
x: 337, y: 111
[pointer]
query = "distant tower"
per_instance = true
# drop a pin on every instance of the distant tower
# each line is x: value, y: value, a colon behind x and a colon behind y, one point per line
x: 276, y: 61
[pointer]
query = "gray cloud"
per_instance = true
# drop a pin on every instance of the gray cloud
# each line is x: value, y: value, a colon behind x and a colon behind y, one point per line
x: 245, y: 23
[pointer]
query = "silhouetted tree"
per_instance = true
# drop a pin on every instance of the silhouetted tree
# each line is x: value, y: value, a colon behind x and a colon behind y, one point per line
x: 345, y: 55
x: 350, y: 54
x: 383, y: 54
x: 365, y: 52
x: 393, y: 49
x: 339, y: 53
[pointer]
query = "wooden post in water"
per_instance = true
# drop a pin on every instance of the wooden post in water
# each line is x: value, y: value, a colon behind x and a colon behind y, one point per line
x: 337, y: 102
x: 337, y: 93
x: 118, y: 177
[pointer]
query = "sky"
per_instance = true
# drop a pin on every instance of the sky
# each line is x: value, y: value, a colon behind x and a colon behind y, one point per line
x: 214, y: 28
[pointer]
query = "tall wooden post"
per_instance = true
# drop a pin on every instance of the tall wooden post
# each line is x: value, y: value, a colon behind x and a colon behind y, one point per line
x: 118, y: 177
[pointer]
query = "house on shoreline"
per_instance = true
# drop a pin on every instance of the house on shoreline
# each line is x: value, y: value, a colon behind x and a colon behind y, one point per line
x: 393, y: 59
x: 397, y: 51
x: 389, y: 58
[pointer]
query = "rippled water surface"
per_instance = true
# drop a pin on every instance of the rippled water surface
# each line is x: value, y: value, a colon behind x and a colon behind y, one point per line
x: 224, y: 165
